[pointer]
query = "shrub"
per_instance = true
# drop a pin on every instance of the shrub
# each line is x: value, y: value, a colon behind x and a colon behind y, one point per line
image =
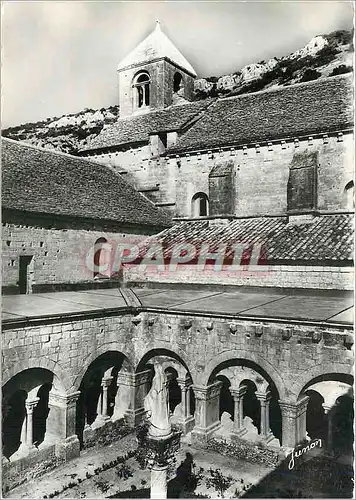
x: 340, y: 70
x: 309, y: 75
x: 218, y: 481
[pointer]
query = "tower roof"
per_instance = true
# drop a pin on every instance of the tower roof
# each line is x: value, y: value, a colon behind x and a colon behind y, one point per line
x: 156, y: 46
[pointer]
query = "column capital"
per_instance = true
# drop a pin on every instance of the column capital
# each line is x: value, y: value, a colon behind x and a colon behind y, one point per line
x: 63, y: 400
x: 207, y: 392
x: 183, y: 383
x: 105, y: 382
x: 263, y: 397
x: 31, y: 404
x: 294, y: 409
x: 238, y: 392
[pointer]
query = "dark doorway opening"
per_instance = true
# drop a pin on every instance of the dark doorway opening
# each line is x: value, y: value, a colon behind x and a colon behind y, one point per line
x: 24, y: 273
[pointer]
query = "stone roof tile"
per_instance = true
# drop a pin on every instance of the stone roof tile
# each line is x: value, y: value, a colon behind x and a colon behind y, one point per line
x: 324, y: 105
x: 43, y: 181
x: 137, y: 128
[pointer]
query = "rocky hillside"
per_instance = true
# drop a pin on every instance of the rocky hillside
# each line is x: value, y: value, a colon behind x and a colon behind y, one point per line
x: 323, y: 56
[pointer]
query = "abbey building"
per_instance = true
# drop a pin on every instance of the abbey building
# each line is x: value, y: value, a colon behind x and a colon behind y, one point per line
x: 260, y: 352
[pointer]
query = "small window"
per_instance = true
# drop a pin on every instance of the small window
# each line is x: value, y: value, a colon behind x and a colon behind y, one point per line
x: 349, y: 195
x: 177, y: 82
x: 142, y: 90
x: 100, y: 258
x: 200, y: 205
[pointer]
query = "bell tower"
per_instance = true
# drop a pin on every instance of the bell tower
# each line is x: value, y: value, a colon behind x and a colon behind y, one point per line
x: 153, y: 76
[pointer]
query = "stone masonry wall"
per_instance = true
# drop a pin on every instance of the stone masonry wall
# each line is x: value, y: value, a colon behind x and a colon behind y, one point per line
x: 321, y: 277
x: 261, y: 174
x: 58, y: 254
x: 289, y: 356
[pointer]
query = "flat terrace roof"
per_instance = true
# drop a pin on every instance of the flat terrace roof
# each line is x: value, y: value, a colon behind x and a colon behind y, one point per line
x: 267, y: 304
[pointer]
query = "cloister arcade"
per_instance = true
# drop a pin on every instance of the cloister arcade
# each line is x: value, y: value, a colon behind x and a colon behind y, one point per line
x: 239, y: 399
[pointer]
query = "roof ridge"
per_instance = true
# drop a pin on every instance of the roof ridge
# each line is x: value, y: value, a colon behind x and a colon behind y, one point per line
x: 55, y: 152
x: 82, y: 159
x: 282, y: 88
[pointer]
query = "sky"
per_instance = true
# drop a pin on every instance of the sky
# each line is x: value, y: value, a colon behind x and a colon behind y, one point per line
x: 61, y: 57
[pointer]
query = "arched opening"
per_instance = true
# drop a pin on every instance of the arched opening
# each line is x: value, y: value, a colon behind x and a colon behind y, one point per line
x: 316, y: 421
x: 226, y: 402
x: 349, y: 195
x: 142, y: 90
x: 40, y: 414
x: 101, y: 261
x: 177, y: 82
x: 13, y: 416
x: 174, y: 391
x: 101, y: 396
x: 25, y: 411
x: 248, y: 402
x: 200, y: 205
x: 343, y: 432
x: 251, y: 406
x: 181, y: 399
x: 329, y: 413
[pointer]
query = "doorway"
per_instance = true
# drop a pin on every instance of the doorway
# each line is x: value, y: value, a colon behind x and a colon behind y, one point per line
x: 25, y: 273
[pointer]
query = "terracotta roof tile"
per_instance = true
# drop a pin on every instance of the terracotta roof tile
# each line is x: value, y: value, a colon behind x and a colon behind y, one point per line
x: 327, y: 237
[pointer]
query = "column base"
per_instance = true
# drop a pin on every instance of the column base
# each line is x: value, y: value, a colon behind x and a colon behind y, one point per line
x: 268, y: 438
x: 100, y: 421
x: 23, y: 451
x: 68, y: 449
x: 200, y: 436
x: 238, y: 433
x: 134, y: 417
x: 186, y: 424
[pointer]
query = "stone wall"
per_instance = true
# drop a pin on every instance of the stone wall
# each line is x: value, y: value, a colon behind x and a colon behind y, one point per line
x: 161, y: 89
x: 281, y: 276
x: 59, y: 250
x: 290, y: 355
x: 261, y: 173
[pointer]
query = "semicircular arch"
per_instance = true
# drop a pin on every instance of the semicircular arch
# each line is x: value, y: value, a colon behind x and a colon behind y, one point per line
x: 240, y: 355
x: 61, y: 380
x: 161, y: 349
x: 99, y: 351
x: 331, y: 371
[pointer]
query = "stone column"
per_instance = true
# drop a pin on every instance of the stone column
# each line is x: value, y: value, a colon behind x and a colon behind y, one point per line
x: 187, y: 420
x: 61, y: 424
x: 105, y: 385
x: 139, y: 386
x: 206, y: 412
x: 238, y: 396
x: 328, y: 410
x: 264, y: 398
x: 124, y: 395
x: 293, y: 422
x: 26, y: 443
x: 158, y: 481
x: 30, y: 405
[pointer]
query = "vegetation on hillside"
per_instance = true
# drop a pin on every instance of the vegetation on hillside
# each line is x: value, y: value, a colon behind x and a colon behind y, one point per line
x: 324, y: 56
